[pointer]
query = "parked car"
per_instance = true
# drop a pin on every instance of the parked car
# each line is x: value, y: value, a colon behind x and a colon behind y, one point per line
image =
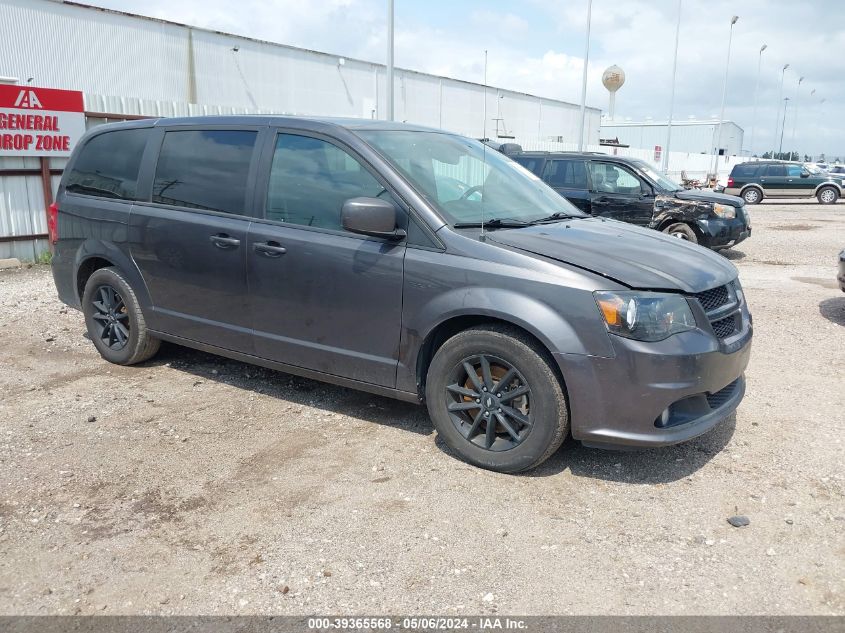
x: 841, y: 276
x: 754, y: 181
x: 327, y: 249
x: 633, y: 191
x: 836, y: 170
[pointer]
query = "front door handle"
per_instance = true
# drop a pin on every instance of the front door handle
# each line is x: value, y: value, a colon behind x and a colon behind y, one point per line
x: 269, y: 249
x: 224, y: 241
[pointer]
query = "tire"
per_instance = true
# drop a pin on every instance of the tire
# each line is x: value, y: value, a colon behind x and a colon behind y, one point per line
x: 114, y: 319
x: 537, y: 417
x: 827, y: 195
x: 682, y: 231
x: 752, y: 195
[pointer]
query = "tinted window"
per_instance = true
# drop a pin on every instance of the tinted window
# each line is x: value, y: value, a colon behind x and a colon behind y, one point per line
x: 613, y: 179
x: 204, y: 169
x: 530, y: 163
x: 108, y: 165
x: 310, y: 179
x: 568, y: 174
x: 747, y: 170
x: 776, y: 170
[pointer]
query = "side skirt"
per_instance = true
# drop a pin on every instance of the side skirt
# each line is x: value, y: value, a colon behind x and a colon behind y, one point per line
x: 405, y: 396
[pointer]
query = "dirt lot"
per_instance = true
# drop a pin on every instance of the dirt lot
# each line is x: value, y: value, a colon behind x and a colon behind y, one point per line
x: 194, y: 484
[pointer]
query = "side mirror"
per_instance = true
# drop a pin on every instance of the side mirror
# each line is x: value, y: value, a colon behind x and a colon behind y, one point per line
x: 805, y: 174
x: 371, y: 216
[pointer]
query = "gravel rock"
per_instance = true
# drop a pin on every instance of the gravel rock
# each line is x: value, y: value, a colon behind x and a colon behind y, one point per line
x: 739, y: 521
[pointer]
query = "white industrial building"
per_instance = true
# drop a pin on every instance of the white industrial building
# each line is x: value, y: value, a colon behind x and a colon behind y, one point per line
x: 690, y: 136
x: 129, y: 65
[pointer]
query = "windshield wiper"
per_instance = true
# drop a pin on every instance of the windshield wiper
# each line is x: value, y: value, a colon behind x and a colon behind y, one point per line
x: 495, y: 223
x: 554, y: 217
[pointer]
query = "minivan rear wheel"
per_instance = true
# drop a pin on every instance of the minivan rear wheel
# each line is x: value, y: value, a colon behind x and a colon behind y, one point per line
x: 114, y: 320
x: 827, y: 195
x: 495, y: 399
x: 752, y: 195
x: 682, y: 231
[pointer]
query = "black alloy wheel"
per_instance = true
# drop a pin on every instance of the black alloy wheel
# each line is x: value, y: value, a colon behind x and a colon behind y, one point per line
x: 489, y: 402
x: 111, y: 317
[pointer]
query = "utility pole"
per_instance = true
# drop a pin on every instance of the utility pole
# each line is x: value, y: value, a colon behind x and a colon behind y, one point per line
x: 795, y: 112
x: 756, y: 88
x: 584, y: 78
x: 783, y: 127
x: 390, y: 60
x: 665, y: 164
x: 718, y: 142
x: 777, y: 109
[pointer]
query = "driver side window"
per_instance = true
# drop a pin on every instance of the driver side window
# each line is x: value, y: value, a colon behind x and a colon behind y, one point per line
x: 310, y: 179
x: 609, y: 178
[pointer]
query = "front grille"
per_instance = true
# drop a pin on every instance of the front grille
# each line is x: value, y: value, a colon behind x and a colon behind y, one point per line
x: 725, y: 327
x: 716, y: 400
x: 713, y: 298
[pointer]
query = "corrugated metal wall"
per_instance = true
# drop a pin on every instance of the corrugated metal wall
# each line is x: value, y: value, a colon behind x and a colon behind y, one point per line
x: 147, y: 62
x: 686, y: 137
x: 138, y: 66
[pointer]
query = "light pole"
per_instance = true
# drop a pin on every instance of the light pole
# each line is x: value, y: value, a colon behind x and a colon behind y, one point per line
x: 783, y: 127
x: 756, y: 87
x: 584, y: 78
x: 389, y: 60
x: 795, y: 112
x: 724, y: 94
x: 777, y: 109
x: 665, y: 164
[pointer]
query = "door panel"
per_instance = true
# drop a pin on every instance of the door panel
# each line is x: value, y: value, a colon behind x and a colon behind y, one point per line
x: 189, y: 242
x: 619, y: 194
x: 330, y: 302
x: 774, y: 181
x: 322, y: 298
x: 196, y: 280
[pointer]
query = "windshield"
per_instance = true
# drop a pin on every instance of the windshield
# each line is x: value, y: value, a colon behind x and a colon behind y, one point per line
x: 663, y: 181
x: 814, y: 170
x: 466, y: 181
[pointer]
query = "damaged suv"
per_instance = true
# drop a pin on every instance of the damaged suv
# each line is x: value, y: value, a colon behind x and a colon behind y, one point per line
x: 405, y: 262
x: 633, y: 191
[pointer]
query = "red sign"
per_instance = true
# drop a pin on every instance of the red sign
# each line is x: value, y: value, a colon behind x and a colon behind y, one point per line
x: 40, y: 121
x: 658, y: 152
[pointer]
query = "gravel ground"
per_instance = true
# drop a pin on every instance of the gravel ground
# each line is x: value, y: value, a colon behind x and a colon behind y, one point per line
x: 193, y: 484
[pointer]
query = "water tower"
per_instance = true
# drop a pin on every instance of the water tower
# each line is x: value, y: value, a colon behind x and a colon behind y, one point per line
x: 613, y: 78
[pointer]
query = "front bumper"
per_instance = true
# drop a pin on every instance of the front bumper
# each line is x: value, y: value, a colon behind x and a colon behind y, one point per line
x: 620, y: 402
x: 724, y: 233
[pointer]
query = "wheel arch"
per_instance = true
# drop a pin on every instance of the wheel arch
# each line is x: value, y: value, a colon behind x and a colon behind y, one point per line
x: 751, y: 185
x: 96, y: 254
x: 831, y: 185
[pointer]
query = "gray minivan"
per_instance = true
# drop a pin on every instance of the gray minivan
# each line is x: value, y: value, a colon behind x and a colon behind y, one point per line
x: 406, y: 262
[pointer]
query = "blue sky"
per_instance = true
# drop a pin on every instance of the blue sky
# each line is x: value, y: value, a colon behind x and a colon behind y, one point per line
x: 537, y: 46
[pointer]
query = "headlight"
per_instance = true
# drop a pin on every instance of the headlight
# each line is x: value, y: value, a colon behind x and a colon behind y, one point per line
x: 645, y: 316
x: 724, y: 211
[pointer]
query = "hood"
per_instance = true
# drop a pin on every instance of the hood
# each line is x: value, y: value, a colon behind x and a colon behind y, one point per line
x: 637, y: 257
x: 709, y: 196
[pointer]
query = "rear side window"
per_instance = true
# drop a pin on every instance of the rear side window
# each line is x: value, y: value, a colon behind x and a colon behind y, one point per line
x: 310, y: 179
x: 776, y: 170
x: 747, y: 170
x: 108, y: 165
x: 532, y: 164
x: 204, y: 169
x: 567, y: 174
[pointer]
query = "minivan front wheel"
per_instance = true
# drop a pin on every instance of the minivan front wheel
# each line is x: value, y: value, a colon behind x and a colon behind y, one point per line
x: 495, y: 399
x: 114, y: 320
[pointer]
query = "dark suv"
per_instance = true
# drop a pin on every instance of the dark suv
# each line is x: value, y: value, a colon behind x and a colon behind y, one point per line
x: 756, y: 180
x: 633, y: 191
x: 405, y: 262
